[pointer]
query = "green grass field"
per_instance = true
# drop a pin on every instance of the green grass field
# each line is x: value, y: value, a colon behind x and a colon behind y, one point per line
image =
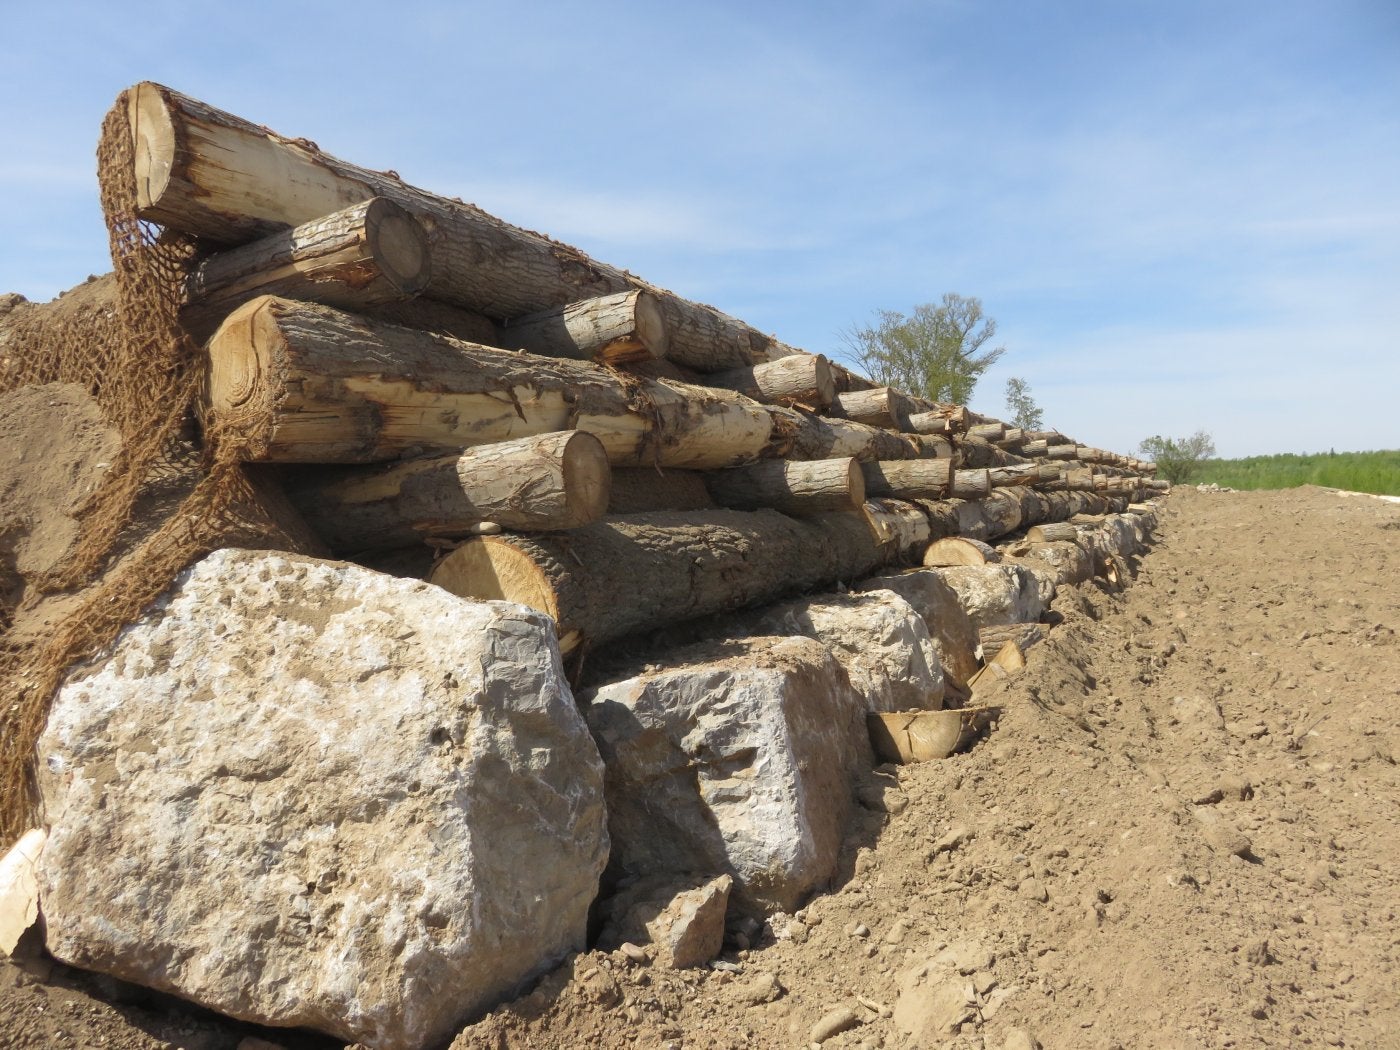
x: 1377, y: 472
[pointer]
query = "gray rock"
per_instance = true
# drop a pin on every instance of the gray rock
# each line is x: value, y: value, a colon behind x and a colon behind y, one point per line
x: 684, y: 921
x: 877, y: 636
x: 996, y: 594
x: 322, y: 797
x: 738, y: 757
x: 952, y: 633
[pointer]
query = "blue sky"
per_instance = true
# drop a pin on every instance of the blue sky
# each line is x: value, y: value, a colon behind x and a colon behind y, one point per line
x: 1182, y: 215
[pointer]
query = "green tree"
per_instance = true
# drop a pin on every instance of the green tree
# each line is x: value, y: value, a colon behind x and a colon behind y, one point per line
x: 936, y: 352
x: 1178, y: 459
x: 1025, y: 413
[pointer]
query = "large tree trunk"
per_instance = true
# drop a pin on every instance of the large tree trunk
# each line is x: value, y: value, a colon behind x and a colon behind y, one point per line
x: 909, y: 478
x: 625, y: 575
x: 545, y: 483
x: 429, y: 315
x: 294, y: 383
x: 797, y: 379
x: 881, y: 407
x: 946, y: 420
x: 1053, y: 532
x: 991, y: 517
x: 644, y: 490
x: 974, y: 452
x: 369, y: 253
x: 932, y: 447
x: 793, y: 487
x: 219, y: 177
x: 614, y: 329
x: 801, y: 435
x: 991, y: 432
x: 970, y: 484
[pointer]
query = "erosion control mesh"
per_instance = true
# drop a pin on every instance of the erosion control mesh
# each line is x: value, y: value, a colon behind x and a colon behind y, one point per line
x: 144, y: 372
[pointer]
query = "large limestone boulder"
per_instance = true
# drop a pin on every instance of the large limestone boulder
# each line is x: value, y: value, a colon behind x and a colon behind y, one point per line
x: 996, y: 594
x: 938, y: 605
x: 306, y: 794
x: 877, y: 636
x: 737, y: 758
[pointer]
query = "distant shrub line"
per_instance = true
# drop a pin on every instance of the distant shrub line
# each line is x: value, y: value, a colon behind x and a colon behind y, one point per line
x: 1377, y: 472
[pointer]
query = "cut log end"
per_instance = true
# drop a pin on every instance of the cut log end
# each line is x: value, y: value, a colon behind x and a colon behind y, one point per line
x: 653, y: 337
x: 235, y: 378
x: 491, y: 569
x: 587, y: 477
x: 153, y: 135
x: 400, y: 246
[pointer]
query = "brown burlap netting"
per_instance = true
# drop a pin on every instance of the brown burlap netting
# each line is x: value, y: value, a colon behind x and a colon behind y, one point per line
x: 145, y: 373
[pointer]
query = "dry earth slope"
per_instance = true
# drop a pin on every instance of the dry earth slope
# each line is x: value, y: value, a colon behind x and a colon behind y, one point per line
x: 1182, y: 834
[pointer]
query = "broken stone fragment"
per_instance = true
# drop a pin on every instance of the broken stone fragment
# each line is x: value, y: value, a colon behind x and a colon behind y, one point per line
x: 683, y: 920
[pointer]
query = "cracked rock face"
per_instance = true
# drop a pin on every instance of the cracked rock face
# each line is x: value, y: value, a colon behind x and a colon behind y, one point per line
x: 994, y: 595
x: 738, y: 758
x: 303, y: 793
x: 951, y: 632
x: 877, y: 637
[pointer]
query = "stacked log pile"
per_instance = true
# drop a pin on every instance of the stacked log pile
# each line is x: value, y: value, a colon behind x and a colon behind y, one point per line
x: 427, y: 382
x: 354, y: 319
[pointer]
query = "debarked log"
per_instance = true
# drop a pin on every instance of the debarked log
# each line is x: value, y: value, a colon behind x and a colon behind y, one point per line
x: 637, y: 573
x: 545, y: 483
x: 296, y: 383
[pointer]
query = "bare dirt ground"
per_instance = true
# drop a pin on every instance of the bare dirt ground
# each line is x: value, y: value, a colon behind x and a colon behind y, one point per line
x: 1182, y: 833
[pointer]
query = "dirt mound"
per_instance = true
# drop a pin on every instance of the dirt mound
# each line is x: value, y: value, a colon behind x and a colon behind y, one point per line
x: 55, y: 448
x: 1181, y: 834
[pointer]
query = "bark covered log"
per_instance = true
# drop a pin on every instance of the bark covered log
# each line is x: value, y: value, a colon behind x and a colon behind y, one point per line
x: 791, y: 486
x: 802, y: 435
x: 221, y: 178
x: 970, y: 484
x: 545, y: 483
x: 991, y: 517
x: 613, y: 329
x: 801, y: 379
x: 908, y: 478
x: 624, y: 575
x: 372, y: 252
x: 429, y: 315
x: 881, y: 407
x: 644, y: 490
x: 294, y: 382
x: 947, y: 420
